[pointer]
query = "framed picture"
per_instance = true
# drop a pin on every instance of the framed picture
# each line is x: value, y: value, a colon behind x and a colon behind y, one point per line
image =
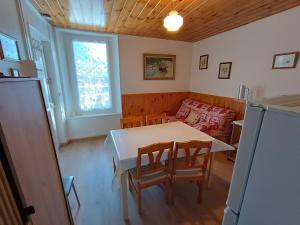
x: 203, y: 62
x: 285, y: 60
x: 225, y: 70
x: 15, y: 72
x: 9, y: 48
x: 159, y: 67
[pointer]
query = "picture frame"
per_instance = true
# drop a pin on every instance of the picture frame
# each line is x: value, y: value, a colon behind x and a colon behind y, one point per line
x: 203, y: 62
x: 159, y: 66
x: 225, y: 70
x: 9, y: 49
x: 285, y: 60
x: 14, y: 72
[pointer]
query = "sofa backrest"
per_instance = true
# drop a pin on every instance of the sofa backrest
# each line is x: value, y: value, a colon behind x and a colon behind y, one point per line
x: 219, y: 119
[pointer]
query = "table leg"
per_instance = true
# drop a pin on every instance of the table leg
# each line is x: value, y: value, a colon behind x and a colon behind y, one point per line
x: 210, y: 169
x: 124, y: 195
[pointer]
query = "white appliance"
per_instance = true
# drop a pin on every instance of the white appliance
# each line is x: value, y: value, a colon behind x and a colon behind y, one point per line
x: 265, y: 187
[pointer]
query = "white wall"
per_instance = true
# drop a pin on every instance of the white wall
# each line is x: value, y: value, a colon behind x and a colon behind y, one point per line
x: 91, y: 126
x: 250, y: 48
x: 131, y: 53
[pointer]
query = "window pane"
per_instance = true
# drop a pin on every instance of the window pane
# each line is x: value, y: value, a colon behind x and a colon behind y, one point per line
x: 92, y: 75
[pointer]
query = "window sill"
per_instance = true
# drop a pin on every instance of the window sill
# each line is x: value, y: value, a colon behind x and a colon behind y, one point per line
x: 92, y: 116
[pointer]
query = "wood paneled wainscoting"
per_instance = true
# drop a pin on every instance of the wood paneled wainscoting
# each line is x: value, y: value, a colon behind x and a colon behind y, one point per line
x: 152, y: 103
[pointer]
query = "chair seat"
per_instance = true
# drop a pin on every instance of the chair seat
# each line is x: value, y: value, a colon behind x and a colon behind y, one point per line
x: 67, y: 183
x: 149, y: 177
x: 185, y: 173
x: 182, y: 172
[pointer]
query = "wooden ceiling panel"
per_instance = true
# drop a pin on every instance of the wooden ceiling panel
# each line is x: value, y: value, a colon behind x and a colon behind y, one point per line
x: 202, y: 18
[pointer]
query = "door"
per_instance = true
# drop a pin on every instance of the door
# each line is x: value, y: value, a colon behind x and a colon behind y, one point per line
x: 272, y: 195
x: 39, y: 58
x: 31, y: 153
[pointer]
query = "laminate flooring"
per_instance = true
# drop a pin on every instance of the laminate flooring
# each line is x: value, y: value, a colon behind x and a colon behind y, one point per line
x: 91, y: 166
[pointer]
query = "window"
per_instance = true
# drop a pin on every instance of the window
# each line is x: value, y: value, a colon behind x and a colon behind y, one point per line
x: 92, y: 86
x: 92, y: 75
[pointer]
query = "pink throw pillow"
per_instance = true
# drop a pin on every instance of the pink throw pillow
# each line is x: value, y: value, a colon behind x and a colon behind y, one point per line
x: 183, y: 112
x: 193, y: 117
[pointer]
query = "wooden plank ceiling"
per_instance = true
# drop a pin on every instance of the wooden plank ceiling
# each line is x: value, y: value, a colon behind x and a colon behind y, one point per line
x: 202, y: 18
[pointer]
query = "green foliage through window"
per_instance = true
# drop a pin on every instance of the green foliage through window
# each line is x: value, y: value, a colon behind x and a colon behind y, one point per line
x: 92, y: 73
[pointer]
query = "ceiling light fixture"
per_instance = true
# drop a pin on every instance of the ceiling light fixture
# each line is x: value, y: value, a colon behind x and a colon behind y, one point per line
x: 173, y: 21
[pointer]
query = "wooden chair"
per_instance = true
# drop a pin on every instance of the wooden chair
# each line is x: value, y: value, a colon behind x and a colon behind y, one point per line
x: 193, y: 165
x: 156, y: 172
x: 156, y: 119
x: 131, y: 121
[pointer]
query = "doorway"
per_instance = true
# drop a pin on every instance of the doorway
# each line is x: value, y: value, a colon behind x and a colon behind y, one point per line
x: 41, y: 54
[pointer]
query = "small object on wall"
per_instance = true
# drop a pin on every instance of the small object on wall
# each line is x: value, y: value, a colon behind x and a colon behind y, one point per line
x: 9, y: 48
x: 159, y: 67
x: 28, y: 68
x: 203, y: 62
x: 225, y: 70
x: 285, y: 60
x: 14, y: 72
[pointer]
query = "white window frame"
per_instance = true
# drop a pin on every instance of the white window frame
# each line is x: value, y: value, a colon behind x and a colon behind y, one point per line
x: 113, y: 65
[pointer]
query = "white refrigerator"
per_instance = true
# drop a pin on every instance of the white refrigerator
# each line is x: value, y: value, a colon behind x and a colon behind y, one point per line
x: 265, y: 186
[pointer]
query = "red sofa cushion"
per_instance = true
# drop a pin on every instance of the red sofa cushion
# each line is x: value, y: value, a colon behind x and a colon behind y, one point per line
x: 219, y: 119
x: 202, y: 126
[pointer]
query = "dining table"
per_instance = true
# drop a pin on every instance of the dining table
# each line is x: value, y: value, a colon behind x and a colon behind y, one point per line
x: 124, y: 144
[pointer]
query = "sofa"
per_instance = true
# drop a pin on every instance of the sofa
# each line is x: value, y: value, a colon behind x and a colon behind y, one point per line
x: 213, y: 120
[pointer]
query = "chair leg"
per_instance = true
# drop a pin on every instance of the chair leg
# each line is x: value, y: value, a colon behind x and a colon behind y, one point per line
x: 129, y: 182
x: 167, y: 191
x: 172, y: 192
x: 73, y: 186
x: 139, y: 198
x: 114, y: 165
x: 200, y: 190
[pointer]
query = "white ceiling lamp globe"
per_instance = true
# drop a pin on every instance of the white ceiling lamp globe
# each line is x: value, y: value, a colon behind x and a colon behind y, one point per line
x: 173, y: 21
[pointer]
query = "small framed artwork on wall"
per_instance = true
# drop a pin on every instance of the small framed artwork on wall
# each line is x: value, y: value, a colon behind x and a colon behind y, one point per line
x: 285, y: 60
x: 203, y: 62
x: 159, y: 67
x: 225, y: 70
x: 9, y: 49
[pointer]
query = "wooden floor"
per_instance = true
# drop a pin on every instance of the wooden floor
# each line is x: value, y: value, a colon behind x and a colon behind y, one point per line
x: 92, y: 167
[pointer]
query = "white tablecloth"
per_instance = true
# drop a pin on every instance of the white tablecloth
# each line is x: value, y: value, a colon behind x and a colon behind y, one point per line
x: 124, y: 143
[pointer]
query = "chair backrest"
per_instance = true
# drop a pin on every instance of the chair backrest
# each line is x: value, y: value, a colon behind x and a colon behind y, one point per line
x: 156, y: 119
x: 154, y: 153
x: 196, y: 155
x: 131, y: 121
